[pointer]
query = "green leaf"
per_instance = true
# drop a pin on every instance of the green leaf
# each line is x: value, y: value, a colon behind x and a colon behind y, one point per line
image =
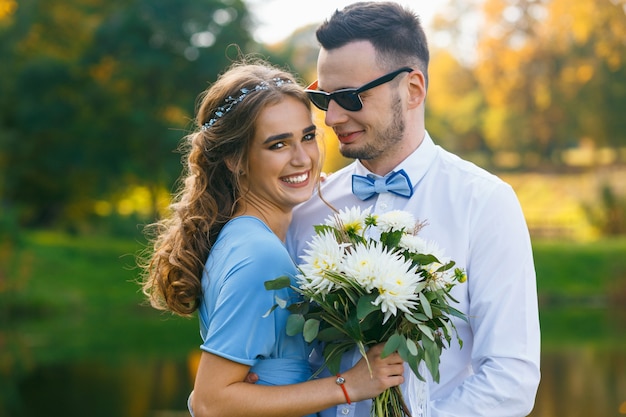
x: 333, y: 363
x: 391, y: 239
x: 332, y: 355
x: 278, y: 283
x: 431, y: 357
x: 453, y: 311
x: 311, y: 330
x: 361, y: 347
x: 446, y: 266
x: 414, y: 362
x: 352, y: 327
x: 426, y: 305
x: 302, y: 307
x: 392, y: 344
x: 330, y: 334
x: 416, y: 318
x: 424, y: 259
x: 365, y: 306
x: 403, y: 350
x: 427, y: 331
x: 295, y: 324
x: 412, y: 347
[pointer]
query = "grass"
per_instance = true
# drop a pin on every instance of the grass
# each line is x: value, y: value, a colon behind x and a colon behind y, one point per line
x: 78, y: 299
x: 575, y: 270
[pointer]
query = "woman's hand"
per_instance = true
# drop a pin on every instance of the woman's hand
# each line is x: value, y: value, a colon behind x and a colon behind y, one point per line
x: 385, y: 373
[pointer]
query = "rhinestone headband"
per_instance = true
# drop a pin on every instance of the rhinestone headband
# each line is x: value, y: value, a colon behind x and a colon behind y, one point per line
x: 232, y: 101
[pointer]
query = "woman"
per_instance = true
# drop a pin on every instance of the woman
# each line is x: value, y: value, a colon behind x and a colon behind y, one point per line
x: 253, y: 158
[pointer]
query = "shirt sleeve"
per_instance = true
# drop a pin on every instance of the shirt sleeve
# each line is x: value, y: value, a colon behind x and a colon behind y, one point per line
x: 503, y: 316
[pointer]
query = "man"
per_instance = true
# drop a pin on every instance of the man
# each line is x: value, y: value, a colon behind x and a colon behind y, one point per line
x: 473, y: 216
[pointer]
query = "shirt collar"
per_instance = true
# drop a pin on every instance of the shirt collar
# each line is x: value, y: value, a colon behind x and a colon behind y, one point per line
x: 415, y: 165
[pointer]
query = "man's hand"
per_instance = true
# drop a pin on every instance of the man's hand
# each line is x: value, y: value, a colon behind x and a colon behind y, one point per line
x: 251, y: 378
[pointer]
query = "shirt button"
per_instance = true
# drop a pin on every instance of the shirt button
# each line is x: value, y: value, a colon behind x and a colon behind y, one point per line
x: 383, y: 206
x: 345, y: 411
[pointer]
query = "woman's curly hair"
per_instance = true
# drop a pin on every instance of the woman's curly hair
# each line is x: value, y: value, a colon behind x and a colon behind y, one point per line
x: 215, y: 153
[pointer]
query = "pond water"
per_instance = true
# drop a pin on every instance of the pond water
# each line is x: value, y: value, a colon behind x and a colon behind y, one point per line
x: 583, y: 374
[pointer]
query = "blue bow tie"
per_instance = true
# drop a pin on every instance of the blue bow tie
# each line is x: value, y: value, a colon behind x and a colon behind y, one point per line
x: 397, y: 182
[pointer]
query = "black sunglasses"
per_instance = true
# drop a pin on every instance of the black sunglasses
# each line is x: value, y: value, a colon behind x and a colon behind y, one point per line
x: 348, y: 98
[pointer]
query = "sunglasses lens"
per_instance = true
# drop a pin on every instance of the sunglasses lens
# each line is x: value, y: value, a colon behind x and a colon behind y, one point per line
x: 319, y: 99
x: 349, y: 101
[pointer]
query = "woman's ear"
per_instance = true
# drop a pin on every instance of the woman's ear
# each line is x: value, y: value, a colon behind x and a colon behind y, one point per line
x: 234, y: 167
x: 231, y: 165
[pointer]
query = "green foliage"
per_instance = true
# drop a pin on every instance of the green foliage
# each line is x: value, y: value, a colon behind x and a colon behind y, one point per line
x: 347, y: 307
x: 580, y: 270
x: 82, y: 298
x: 609, y: 214
x: 100, y: 93
x: 79, y: 298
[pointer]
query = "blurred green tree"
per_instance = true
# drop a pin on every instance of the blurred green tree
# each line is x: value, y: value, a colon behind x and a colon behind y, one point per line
x: 98, y: 94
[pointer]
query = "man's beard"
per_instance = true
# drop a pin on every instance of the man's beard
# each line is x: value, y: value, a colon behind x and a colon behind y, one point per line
x: 390, y: 136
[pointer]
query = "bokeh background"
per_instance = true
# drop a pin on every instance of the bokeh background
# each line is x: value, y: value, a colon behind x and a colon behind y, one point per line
x: 95, y: 96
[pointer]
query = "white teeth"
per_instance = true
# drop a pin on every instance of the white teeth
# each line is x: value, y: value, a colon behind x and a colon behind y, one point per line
x: 296, y: 180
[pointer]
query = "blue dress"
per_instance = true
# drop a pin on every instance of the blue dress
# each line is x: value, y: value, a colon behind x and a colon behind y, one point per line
x: 232, y: 313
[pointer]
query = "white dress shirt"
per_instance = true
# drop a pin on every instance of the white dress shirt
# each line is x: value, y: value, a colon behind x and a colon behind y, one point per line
x: 477, y: 220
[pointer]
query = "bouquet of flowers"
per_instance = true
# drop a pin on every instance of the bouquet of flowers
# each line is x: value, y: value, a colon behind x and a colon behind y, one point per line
x: 367, y: 279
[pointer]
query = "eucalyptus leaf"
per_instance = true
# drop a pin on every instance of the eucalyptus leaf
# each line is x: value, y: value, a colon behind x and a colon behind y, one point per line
x: 427, y: 331
x: 431, y: 357
x: 417, y: 317
x: 311, y: 330
x: 414, y: 362
x: 392, y: 344
x: 278, y: 283
x: 426, y: 305
x: 411, y: 346
x: 295, y: 324
x: 456, y: 313
x: 403, y: 350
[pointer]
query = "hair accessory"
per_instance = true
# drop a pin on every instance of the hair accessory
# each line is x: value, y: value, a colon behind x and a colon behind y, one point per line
x: 232, y: 101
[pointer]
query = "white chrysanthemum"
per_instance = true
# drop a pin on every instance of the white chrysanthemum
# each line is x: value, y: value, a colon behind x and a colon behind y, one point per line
x: 349, y: 219
x: 362, y: 263
x: 374, y: 267
x: 324, y: 254
x: 395, y: 220
x: 396, y: 287
x: 413, y: 243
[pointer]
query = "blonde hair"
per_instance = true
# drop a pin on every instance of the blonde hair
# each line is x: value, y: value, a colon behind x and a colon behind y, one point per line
x: 209, y: 189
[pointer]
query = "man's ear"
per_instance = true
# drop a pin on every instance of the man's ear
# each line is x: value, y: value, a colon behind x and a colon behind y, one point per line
x: 417, y: 88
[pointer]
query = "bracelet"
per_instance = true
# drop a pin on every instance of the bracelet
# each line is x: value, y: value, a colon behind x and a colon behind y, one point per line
x: 341, y: 381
